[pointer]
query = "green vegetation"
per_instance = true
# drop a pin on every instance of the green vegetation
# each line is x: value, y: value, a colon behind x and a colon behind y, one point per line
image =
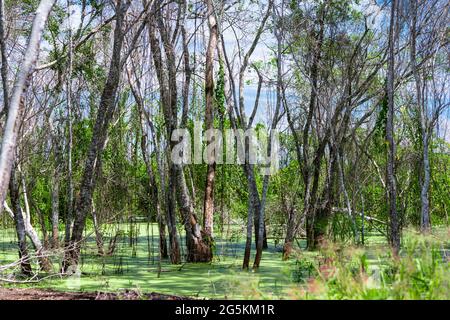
x: 337, y: 271
x: 226, y: 149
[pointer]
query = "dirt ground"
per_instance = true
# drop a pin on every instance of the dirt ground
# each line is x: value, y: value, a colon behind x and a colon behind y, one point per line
x: 39, y: 294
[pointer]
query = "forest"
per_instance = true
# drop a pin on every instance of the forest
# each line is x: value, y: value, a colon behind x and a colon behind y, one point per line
x: 225, y: 149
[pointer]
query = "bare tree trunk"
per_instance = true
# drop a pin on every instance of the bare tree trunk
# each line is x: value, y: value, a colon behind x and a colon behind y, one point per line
x: 198, y: 248
x: 4, y: 67
x: 69, y: 213
x: 20, y: 225
x: 104, y: 115
x: 22, y: 82
x: 394, y: 231
x: 170, y: 192
x: 290, y: 234
x: 311, y: 186
x: 154, y: 194
x: 153, y: 189
x: 261, y: 213
x: 425, y: 224
x: 98, y: 233
x: 55, y: 211
x: 44, y: 261
x: 250, y: 214
x: 208, y: 207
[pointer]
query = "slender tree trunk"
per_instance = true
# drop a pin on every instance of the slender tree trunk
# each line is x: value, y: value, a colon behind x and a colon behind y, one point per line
x: 309, y: 166
x: 55, y: 211
x: 261, y: 213
x: 198, y: 247
x: 104, y: 115
x: 425, y: 224
x: 4, y: 67
x: 98, y: 232
x: 250, y: 213
x: 69, y: 213
x: 394, y: 232
x: 154, y: 192
x: 20, y: 225
x: 44, y: 261
x: 170, y: 192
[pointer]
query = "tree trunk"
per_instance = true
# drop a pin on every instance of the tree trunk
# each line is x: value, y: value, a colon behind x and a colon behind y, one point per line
x: 98, y: 232
x: 104, y: 115
x: 250, y: 214
x: 394, y: 232
x: 198, y: 248
x: 22, y: 82
x: 425, y: 224
x: 44, y: 261
x: 314, y: 165
x: 261, y: 212
x: 25, y: 264
x: 290, y: 234
x: 208, y: 207
x: 165, y: 96
x: 70, y: 204
x: 55, y: 211
x: 154, y: 195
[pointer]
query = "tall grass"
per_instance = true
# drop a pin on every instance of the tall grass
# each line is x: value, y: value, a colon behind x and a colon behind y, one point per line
x: 421, y: 271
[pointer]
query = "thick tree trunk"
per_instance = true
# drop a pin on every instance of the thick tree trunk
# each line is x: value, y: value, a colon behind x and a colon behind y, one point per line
x: 198, y: 246
x: 290, y: 235
x: 425, y: 221
x: 22, y: 82
x: 208, y: 206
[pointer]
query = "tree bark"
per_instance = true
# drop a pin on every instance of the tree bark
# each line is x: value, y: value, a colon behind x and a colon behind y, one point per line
x: 44, y: 261
x: 104, y: 115
x: 70, y: 204
x: 425, y: 224
x: 174, y: 247
x: 394, y: 232
x: 208, y: 206
x: 22, y: 82
x: 25, y: 264
x: 261, y: 213
x: 55, y: 211
x: 198, y: 247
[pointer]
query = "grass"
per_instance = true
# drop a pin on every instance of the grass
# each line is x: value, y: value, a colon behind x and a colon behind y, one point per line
x: 356, y: 273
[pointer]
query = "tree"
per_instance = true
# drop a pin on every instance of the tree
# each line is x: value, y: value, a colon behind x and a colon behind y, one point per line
x: 394, y: 231
x: 104, y: 115
x: 23, y: 81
